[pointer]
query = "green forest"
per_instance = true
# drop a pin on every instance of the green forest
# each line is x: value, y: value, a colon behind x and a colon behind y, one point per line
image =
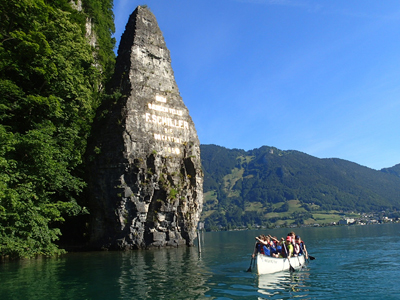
x: 51, y: 83
x: 270, y: 187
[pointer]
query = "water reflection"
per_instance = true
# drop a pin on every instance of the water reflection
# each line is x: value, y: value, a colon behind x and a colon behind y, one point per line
x: 36, y: 279
x: 169, y: 274
x: 284, y: 285
x: 219, y: 273
x: 155, y: 274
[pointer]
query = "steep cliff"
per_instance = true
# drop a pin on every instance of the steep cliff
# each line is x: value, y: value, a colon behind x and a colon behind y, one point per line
x: 146, y: 182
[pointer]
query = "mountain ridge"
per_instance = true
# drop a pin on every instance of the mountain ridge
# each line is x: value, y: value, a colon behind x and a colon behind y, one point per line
x: 244, y: 188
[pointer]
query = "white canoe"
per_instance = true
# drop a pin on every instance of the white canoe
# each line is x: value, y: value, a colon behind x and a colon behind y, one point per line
x: 267, y: 264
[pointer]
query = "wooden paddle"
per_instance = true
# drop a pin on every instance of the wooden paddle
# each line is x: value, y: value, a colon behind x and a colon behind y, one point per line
x: 309, y: 256
x: 298, y: 258
x: 251, y: 262
x: 291, y: 269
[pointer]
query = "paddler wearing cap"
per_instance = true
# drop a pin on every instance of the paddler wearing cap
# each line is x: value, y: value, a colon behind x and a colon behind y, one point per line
x: 287, y: 247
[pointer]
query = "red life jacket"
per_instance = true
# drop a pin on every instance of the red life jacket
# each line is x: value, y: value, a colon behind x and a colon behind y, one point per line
x: 260, y: 248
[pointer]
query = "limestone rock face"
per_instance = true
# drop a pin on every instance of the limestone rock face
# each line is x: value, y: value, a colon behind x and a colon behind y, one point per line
x: 146, y: 183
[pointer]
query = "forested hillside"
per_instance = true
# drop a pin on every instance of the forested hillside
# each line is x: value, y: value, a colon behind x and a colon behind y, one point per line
x: 393, y: 170
x: 262, y: 186
x: 51, y: 81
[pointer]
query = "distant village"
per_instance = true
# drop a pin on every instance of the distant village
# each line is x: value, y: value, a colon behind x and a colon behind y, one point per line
x: 367, y: 219
x: 362, y: 219
x: 355, y: 219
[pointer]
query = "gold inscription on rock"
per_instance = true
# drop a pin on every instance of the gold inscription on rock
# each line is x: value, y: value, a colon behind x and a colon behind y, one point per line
x: 165, y: 109
x: 165, y: 121
x: 169, y: 123
x: 161, y: 99
x: 167, y: 138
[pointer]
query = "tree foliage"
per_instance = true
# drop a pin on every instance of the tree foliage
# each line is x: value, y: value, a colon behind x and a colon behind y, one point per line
x: 49, y: 91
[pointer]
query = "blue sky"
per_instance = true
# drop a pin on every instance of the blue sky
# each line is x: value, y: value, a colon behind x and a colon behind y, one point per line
x: 320, y: 77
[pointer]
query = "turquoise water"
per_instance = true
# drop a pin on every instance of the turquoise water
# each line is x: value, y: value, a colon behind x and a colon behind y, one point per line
x: 355, y: 262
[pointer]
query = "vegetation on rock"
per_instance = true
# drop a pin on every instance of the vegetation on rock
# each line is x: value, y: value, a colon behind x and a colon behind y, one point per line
x: 50, y: 79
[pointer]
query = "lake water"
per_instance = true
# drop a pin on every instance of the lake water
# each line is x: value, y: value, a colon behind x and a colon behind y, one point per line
x: 352, y: 262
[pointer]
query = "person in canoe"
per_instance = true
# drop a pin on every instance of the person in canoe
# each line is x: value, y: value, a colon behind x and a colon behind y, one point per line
x: 277, y: 246
x: 301, y: 247
x: 292, y: 237
x: 259, y: 246
x: 263, y: 245
x: 288, y: 247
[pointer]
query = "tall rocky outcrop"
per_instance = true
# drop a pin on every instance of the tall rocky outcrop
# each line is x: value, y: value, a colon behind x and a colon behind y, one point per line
x: 146, y: 184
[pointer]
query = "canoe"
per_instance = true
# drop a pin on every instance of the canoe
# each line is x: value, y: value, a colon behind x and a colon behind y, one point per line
x: 268, y: 264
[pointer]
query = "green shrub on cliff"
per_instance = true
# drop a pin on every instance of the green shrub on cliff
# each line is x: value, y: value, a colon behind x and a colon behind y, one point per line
x: 49, y: 91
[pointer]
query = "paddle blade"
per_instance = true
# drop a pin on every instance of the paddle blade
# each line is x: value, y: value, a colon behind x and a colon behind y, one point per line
x: 311, y: 257
x: 249, y: 269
